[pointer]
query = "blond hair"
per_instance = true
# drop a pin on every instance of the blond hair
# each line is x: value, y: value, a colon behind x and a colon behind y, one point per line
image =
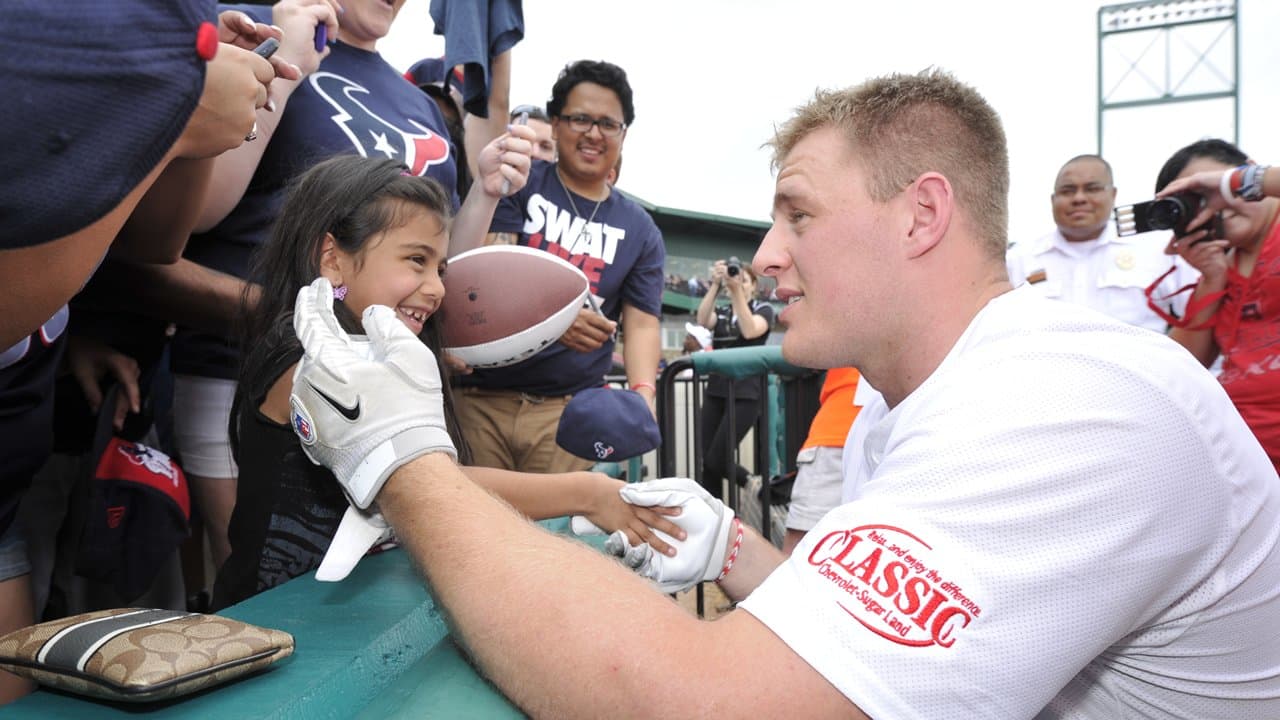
x: 900, y: 126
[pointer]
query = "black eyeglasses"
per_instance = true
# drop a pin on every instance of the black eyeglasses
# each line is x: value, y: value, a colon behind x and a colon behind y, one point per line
x: 535, y: 112
x: 583, y: 124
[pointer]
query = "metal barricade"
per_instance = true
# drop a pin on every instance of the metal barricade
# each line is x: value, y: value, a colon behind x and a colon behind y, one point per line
x: 785, y: 415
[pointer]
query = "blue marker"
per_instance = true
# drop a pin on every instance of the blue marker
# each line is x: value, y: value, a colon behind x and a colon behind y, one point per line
x: 322, y: 37
x: 267, y: 47
x: 523, y: 119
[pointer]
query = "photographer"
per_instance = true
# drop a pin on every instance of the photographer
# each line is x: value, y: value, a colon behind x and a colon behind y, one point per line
x: 746, y: 321
x: 1234, y: 241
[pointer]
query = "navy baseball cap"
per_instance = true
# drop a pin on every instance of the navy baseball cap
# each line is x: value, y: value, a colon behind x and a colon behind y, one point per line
x: 87, y: 115
x: 429, y: 74
x: 607, y: 425
x: 139, y: 511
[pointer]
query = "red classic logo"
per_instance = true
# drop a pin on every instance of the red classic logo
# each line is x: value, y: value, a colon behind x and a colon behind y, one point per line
x: 896, y: 592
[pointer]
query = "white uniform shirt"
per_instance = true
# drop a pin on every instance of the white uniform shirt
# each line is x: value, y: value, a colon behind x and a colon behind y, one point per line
x: 1108, y: 274
x: 1103, y: 545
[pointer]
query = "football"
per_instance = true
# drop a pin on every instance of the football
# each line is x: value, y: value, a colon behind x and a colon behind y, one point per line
x: 504, y: 303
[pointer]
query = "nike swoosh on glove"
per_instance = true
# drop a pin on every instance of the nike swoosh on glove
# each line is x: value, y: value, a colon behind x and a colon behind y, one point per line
x: 363, y: 412
x: 706, y: 521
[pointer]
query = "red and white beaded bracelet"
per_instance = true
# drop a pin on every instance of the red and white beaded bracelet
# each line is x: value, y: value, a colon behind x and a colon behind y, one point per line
x: 733, y: 554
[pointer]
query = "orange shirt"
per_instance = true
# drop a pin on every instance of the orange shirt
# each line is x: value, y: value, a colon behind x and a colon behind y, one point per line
x: 831, y: 424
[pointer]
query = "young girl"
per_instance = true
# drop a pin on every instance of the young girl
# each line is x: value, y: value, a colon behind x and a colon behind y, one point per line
x: 380, y: 236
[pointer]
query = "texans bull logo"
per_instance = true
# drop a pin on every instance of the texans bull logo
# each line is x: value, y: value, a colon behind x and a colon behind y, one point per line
x: 418, y: 147
x: 153, y: 460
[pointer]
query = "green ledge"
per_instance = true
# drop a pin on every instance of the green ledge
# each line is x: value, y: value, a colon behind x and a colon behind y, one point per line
x: 371, y: 646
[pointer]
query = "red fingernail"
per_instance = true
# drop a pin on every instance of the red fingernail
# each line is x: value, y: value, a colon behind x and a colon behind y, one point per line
x: 207, y: 41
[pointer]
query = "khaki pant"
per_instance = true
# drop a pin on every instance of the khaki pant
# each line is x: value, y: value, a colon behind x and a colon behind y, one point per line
x: 515, y: 431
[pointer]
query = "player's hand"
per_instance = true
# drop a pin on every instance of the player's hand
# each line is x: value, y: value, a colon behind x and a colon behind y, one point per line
x: 361, y: 412
x: 589, y: 331
x: 637, y: 523
x: 705, y: 520
x: 504, y: 163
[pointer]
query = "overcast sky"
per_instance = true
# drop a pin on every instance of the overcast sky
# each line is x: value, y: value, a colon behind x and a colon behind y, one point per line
x: 713, y: 77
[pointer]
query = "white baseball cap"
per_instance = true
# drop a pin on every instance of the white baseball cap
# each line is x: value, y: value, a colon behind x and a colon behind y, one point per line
x: 699, y: 333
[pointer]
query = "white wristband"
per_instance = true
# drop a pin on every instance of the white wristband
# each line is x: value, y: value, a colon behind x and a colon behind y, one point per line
x: 1224, y: 186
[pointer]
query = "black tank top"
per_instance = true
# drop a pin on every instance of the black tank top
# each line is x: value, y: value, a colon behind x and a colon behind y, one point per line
x: 287, y: 510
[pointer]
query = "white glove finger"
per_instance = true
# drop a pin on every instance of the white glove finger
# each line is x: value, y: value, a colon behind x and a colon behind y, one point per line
x: 636, y: 557
x: 640, y: 557
x: 616, y: 544
x: 399, y: 348
x: 357, y: 532
x: 582, y: 526
x: 323, y: 339
x: 651, y: 498
x: 666, y: 492
x: 314, y: 308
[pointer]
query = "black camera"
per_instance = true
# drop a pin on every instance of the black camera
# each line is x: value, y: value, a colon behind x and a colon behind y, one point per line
x: 733, y: 267
x: 1171, y: 213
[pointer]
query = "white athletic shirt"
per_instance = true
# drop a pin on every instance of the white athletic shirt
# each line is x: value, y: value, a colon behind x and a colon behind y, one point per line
x: 1067, y: 519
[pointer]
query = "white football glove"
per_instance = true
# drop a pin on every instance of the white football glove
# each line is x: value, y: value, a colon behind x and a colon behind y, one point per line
x: 358, y: 531
x: 707, y: 523
x: 360, y: 416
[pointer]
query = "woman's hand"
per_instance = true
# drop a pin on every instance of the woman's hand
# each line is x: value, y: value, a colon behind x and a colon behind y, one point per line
x: 90, y: 361
x: 235, y: 86
x: 1207, y: 185
x: 1207, y: 255
x: 238, y: 29
x: 719, y: 271
x: 299, y: 20
x: 612, y: 513
x: 734, y: 284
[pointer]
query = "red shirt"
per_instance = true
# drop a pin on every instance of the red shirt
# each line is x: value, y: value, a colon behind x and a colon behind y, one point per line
x: 1247, y: 331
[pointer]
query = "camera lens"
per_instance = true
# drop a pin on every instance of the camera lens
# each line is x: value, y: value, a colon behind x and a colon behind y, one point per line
x: 733, y: 267
x: 1173, y: 212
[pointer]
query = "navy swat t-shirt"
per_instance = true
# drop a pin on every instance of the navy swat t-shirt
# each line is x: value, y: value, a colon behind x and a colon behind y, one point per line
x: 622, y: 254
x: 354, y: 103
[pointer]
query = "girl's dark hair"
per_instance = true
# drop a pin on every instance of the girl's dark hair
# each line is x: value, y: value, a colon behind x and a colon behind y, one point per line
x: 356, y: 199
x: 1213, y: 149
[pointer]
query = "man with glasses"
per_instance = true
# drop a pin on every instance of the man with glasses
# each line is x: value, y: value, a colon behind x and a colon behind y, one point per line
x: 1083, y: 261
x: 510, y: 415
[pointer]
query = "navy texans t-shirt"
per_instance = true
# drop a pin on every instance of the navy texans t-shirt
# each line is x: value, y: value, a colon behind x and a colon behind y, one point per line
x: 354, y: 103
